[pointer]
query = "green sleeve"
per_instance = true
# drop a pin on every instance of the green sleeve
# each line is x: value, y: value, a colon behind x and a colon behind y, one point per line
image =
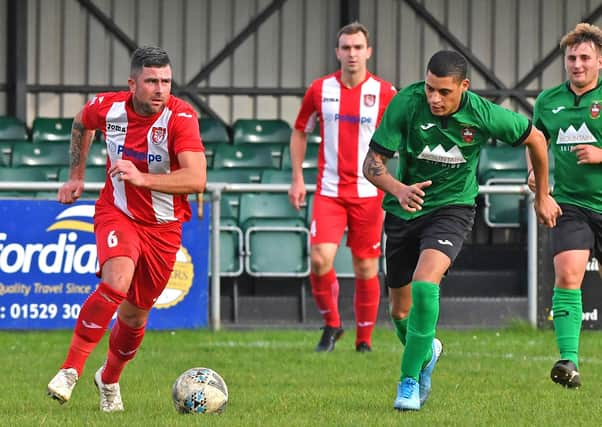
x: 537, y: 117
x: 393, y: 125
x: 505, y: 125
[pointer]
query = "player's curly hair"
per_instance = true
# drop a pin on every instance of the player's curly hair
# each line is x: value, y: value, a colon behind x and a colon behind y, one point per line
x: 583, y: 33
x: 354, y: 28
x: 148, y: 56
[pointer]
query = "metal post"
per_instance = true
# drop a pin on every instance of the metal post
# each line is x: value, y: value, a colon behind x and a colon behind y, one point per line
x: 532, y: 259
x: 216, y: 196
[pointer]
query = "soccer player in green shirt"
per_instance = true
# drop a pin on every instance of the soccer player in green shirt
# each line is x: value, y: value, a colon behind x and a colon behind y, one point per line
x: 438, y: 127
x: 569, y: 117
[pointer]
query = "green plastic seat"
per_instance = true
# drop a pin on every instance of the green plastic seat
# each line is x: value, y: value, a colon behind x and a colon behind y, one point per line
x: 12, y: 128
x: 314, y: 137
x: 6, y: 152
x: 22, y: 174
x: 213, y: 131
x: 494, y: 161
x: 263, y: 131
x: 93, y: 174
x: 51, y: 129
x: 269, y: 176
x: 50, y: 155
x: 97, y: 156
x: 244, y: 156
x: 310, y: 160
x: 234, y: 175
x: 47, y: 154
x: 343, y: 261
x: 276, y: 238
x: 231, y: 241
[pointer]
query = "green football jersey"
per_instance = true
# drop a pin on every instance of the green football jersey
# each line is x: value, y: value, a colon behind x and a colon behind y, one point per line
x: 567, y: 120
x: 443, y: 149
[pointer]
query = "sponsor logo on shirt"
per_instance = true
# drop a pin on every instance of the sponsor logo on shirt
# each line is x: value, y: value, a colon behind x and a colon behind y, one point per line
x: 330, y: 99
x: 427, y: 126
x: 453, y: 156
x: 348, y: 118
x: 112, y: 127
x: 573, y: 136
x: 558, y: 109
x: 139, y: 155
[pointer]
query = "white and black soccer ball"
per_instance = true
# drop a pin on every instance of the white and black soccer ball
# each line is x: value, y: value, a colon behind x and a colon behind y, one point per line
x: 200, y: 391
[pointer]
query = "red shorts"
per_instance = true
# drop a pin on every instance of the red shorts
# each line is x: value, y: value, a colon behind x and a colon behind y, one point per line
x: 153, y: 249
x: 362, y: 216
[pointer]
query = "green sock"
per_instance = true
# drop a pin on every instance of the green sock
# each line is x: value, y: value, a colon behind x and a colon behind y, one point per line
x: 568, y: 312
x: 422, y: 323
x: 401, y: 329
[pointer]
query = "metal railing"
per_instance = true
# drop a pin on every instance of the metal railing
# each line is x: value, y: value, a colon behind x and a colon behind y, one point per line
x: 216, y: 189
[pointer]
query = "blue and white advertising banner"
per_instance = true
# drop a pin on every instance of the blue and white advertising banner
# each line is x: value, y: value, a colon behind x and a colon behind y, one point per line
x: 48, y: 267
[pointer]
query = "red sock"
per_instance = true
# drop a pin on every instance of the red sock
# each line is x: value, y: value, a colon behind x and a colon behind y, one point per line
x: 365, y: 301
x: 92, y: 322
x: 325, y: 290
x: 124, y: 342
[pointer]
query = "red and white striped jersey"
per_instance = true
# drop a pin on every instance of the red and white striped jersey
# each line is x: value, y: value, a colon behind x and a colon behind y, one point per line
x: 152, y: 143
x: 348, y: 117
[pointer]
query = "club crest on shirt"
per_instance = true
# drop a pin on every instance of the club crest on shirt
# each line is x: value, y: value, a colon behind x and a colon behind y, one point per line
x: 369, y: 100
x: 467, y: 134
x: 158, y: 135
x: 594, y: 109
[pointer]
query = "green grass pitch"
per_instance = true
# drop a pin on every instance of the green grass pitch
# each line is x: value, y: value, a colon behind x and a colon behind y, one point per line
x: 484, y: 378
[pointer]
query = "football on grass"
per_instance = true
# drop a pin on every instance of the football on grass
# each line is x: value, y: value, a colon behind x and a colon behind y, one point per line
x: 200, y: 391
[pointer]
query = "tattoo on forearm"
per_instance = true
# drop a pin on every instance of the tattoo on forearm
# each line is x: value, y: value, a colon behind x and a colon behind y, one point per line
x: 77, y: 132
x: 373, y: 165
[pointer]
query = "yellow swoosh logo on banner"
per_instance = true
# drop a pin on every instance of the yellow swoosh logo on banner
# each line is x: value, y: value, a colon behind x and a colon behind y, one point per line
x: 72, y: 225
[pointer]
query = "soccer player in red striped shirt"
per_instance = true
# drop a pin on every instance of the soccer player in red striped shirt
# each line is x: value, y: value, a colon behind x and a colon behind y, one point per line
x: 348, y: 105
x: 155, y: 157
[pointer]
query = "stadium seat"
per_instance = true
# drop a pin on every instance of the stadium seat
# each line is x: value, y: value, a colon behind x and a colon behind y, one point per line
x: 12, y: 128
x: 270, y: 131
x: 51, y: 129
x: 505, y: 210
x: 51, y: 155
x: 495, y: 161
x: 269, y: 218
x: 311, y: 156
x: 231, y: 242
x: 343, y: 261
x: 502, y: 165
x: 97, y: 156
x: 6, y: 151
x: 213, y: 131
x: 234, y: 175
x: 23, y: 174
x: 284, y: 176
x: 244, y: 156
x: 314, y: 137
x: 93, y: 174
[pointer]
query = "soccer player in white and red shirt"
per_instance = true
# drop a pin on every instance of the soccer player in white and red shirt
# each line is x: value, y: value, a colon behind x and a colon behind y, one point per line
x: 349, y: 105
x: 155, y: 158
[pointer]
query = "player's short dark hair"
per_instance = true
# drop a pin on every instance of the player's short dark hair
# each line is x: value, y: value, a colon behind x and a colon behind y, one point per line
x: 354, y: 28
x: 148, y: 56
x: 582, y: 33
x: 446, y: 63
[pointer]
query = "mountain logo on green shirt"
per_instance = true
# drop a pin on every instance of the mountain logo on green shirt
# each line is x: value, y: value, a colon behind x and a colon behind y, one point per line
x: 453, y: 156
x: 573, y: 136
